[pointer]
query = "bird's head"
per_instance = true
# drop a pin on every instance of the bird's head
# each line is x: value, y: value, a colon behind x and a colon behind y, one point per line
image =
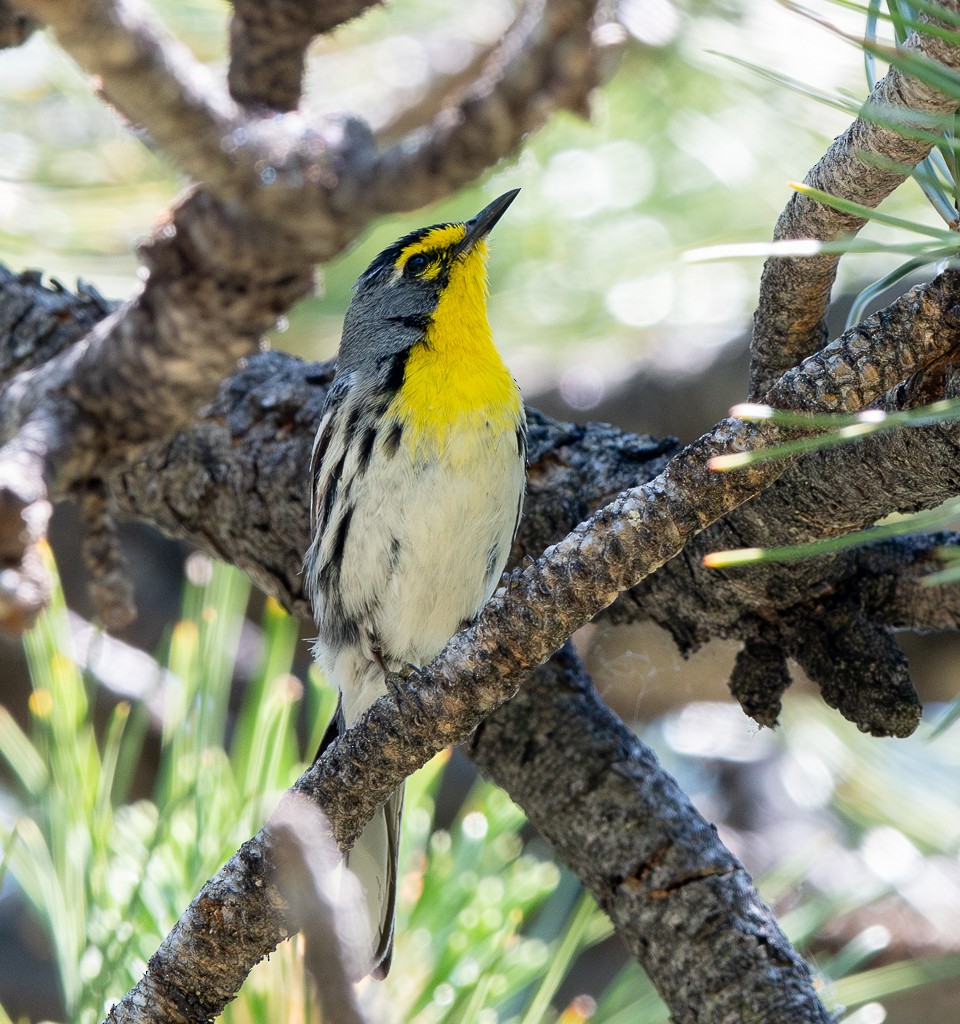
x: 398, y: 295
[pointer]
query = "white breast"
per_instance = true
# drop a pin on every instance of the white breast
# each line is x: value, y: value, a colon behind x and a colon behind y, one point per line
x: 427, y: 544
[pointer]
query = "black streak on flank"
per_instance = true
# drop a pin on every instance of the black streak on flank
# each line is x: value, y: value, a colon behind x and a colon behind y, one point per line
x: 366, y: 448
x: 323, y: 442
x: 340, y: 540
x: 320, y: 450
x: 330, y: 495
x: 522, y: 444
x: 352, y: 418
x: 340, y: 630
x: 392, y: 444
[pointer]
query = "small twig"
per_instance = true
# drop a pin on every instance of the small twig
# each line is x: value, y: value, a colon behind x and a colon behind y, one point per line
x: 553, y: 57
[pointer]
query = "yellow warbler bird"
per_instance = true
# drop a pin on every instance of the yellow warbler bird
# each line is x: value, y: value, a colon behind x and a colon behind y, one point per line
x: 418, y: 475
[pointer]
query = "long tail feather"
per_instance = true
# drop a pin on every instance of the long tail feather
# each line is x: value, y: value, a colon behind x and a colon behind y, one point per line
x: 373, y: 860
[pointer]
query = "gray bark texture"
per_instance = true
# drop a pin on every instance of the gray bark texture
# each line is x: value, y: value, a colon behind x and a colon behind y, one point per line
x: 101, y: 403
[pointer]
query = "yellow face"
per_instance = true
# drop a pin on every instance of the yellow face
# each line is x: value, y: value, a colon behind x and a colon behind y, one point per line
x: 455, y: 374
x: 433, y: 254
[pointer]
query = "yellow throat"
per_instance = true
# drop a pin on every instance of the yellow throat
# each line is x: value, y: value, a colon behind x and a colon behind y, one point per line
x: 455, y: 380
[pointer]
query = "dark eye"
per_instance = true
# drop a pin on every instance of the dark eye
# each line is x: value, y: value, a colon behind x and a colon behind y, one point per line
x: 417, y: 263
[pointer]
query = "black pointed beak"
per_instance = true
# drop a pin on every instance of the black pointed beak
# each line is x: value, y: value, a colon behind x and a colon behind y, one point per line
x: 481, y: 225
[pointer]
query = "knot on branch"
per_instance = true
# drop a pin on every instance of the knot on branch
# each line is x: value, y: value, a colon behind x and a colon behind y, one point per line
x: 234, y: 266
x: 759, y: 679
x: 860, y: 670
x: 37, y: 321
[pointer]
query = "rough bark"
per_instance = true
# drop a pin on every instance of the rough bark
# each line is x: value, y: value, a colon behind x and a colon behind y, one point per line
x: 676, y: 896
x: 257, y: 434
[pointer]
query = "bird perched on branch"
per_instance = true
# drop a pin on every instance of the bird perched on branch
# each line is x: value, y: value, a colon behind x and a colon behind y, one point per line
x: 418, y: 476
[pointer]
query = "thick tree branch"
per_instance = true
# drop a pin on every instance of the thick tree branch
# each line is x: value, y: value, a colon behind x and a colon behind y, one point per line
x: 860, y: 356
x: 678, y: 898
x: 863, y: 164
x: 262, y: 424
x: 674, y: 892
x: 150, y: 76
x: 825, y: 495
x: 143, y: 370
x: 272, y: 407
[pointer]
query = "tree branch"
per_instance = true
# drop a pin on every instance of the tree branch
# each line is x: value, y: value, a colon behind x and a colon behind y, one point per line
x: 319, y: 185
x: 151, y: 77
x: 864, y: 164
x: 523, y: 624
x: 327, y: 904
x: 143, y: 370
x: 553, y: 58
x: 272, y: 407
x: 679, y: 899
x: 268, y: 44
x: 671, y: 888
x: 824, y: 495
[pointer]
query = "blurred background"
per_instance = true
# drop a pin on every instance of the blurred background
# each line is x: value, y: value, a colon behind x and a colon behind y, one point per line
x: 605, y: 308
